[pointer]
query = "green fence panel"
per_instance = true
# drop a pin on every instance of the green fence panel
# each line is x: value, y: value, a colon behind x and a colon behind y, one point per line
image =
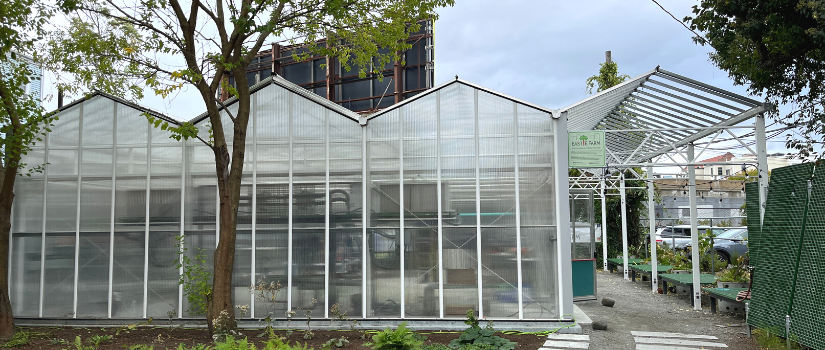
x: 752, y: 207
x: 808, y: 313
x: 754, y: 219
x: 775, y: 247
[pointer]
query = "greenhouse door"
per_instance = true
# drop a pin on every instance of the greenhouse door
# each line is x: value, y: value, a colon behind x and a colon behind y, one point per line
x: 583, y: 230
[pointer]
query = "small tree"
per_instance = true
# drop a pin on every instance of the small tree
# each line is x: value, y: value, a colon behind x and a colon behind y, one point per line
x: 22, y: 123
x: 124, y: 47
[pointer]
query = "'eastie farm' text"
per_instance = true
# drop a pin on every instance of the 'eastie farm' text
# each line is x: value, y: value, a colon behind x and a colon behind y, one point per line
x: 579, y: 143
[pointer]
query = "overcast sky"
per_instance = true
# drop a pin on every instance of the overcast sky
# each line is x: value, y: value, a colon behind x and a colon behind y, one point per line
x: 543, y: 51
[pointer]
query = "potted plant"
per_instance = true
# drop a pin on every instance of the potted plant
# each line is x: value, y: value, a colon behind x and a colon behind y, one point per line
x: 736, y: 276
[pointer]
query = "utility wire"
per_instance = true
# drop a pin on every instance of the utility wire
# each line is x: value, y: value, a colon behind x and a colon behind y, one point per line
x: 680, y: 22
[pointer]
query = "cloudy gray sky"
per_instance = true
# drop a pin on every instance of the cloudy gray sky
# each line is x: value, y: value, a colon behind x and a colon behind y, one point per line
x: 543, y: 51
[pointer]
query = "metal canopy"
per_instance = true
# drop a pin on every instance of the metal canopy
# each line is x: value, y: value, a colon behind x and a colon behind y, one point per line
x: 657, y: 113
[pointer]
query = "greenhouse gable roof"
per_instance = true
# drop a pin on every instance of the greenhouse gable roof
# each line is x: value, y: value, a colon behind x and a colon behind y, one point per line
x: 286, y: 84
x: 119, y: 100
x: 464, y: 82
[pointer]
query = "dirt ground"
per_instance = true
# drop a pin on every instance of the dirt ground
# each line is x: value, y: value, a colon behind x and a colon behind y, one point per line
x: 169, y: 338
x: 637, y: 309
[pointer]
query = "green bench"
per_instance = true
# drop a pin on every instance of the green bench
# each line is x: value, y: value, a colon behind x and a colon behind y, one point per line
x: 647, y: 270
x: 684, y: 280
x: 726, y: 294
x: 613, y: 263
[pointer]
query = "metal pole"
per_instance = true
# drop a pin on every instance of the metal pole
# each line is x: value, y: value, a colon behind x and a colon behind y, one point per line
x: 326, y: 214
x: 651, y: 214
x: 43, y: 223
x: 146, y: 225
x: 440, y: 209
x: 518, y: 214
x: 478, y: 208
x: 762, y: 163
x: 364, y: 216
x: 564, y: 262
x: 254, y: 202
x: 694, y: 232
x: 112, y: 212
x: 77, y: 211
x: 289, y: 209
x: 624, y: 226
x: 604, y: 227
x: 401, y: 210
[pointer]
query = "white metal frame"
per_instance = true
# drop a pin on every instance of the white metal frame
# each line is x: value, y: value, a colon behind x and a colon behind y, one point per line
x: 652, y: 121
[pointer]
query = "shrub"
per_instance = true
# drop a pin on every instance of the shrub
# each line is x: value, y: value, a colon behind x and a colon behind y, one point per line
x: 478, y: 336
x: 399, y: 339
x: 232, y: 344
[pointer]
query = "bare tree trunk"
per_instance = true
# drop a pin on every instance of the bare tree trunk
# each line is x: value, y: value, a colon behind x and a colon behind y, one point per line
x: 220, y: 310
x: 6, y: 200
x: 6, y: 316
x: 8, y: 174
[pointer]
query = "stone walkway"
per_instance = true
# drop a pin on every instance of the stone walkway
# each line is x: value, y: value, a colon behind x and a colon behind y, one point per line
x: 641, y: 320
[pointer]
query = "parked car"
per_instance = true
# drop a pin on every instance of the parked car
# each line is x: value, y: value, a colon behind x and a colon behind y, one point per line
x: 679, y: 235
x: 732, y: 242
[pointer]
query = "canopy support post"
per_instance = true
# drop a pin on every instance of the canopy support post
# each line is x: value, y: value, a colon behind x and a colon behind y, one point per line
x: 624, y: 227
x: 604, y: 226
x: 651, y: 215
x: 762, y: 163
x: 694, y: 232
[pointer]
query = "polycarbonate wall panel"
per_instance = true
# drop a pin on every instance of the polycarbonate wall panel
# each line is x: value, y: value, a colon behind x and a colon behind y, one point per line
x: 58, y: 277
x: 66, y: 130
x: 271, y: 231
x: 26, y: 239
x: 200, y: 220
x: 383, y: 233
x: 458, y: 191
x: 420, y: 148
x: 345, y: 236
x: 496, y: 126
x: 129, y: 246
x: 93, y: 275
x: 61, y: 206
x: 62, y: 163
x: 308, y: 205
x: 165, y: 186
x: 132, y: 126
x: 272, y: 114
x: 242, y: 269
x: 96, y: 205
x: 98, y: 122
x: 28, y: 205
x: 24, y: 284
x: 536, y: 194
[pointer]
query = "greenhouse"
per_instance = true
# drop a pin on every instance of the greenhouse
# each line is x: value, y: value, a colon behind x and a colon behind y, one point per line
x: 443, y: 203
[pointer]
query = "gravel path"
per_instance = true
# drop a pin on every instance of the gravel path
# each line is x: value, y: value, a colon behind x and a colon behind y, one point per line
x: 637, y: 309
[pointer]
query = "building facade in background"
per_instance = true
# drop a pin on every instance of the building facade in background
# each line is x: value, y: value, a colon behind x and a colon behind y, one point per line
x: 326, y: 77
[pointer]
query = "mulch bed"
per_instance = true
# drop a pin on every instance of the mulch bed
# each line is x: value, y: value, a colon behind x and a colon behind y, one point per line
x: 169, y: 338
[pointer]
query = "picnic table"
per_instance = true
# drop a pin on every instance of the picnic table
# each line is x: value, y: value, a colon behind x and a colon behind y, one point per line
x: 647, y: 270
x: 684, y: 280
x: 612, y: 263
x: 726, y: 294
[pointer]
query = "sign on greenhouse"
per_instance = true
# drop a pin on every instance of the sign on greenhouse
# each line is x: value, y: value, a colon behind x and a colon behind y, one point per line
x: 585, y: 149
